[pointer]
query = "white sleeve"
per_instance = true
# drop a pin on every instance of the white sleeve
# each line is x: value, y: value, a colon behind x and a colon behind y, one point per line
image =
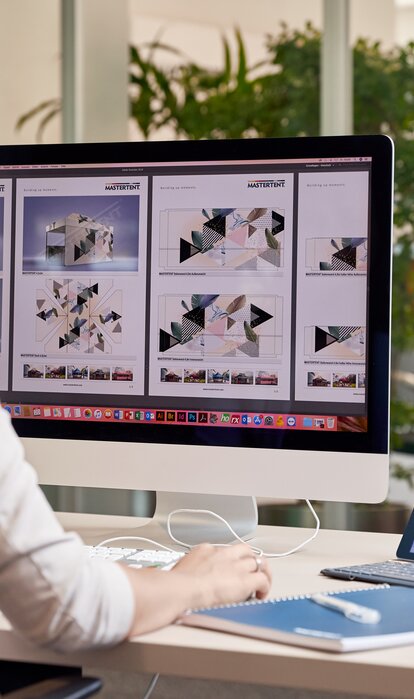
x: 50, y: 590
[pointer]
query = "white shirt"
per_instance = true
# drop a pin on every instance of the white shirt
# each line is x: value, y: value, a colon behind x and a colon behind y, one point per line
x: 50, y: 590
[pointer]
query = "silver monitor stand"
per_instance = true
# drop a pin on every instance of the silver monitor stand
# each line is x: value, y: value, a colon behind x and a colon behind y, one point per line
x: 197, y: 527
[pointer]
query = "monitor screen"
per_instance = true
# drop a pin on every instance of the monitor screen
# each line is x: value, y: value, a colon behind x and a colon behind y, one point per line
x: 226, y: 303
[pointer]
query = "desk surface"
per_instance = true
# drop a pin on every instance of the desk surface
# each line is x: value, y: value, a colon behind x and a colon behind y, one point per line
x: 190, y: 652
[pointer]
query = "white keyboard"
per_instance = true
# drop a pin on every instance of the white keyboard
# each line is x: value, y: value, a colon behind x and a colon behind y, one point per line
x: 137, y: 558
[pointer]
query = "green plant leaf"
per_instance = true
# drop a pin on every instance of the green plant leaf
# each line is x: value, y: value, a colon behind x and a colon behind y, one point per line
x: 271, y: 239
x: 242, y: 66
x: 197, y: 239
x: 203, y: 300
x: 334, y: 331
x: 195, y: 300
x: 279, y: 97
x: 45, y: 121
x: 52, y: 104
x: 177, y: 330
x: 403, y: 473
x: 226, y: 75
x: 249, y: 332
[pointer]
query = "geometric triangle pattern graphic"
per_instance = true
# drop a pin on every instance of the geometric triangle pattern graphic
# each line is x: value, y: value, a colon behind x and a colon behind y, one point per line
x: 249, y: 265
x: 323, y: 339
x: 85, y: 294
x: 82, y: 240
x: 335, y: 342
x: 345, y: 331
x: 108, y: 319
x: 213, y: 232
x: 217, y: 224
x: 344, y: 255
x: 70, y: 337
x: 187, y: 250
x: 77, y: 252
x: 189, y: 329
x: 220, y: 325
x: 250, y: 349
x: 45, y: 315
x: 85, y: 245
x: 242, y: 315
x: 344, y: 259
x: 258, y: 316
x: 78, y: 315
x: 91, y: 237
x: 233, y: 238
x: 271, y: 256
x: 196, y: 316
x: 210, y: 239
x: 109, y: 316
x: 167, y: 341
x: 278, y: 222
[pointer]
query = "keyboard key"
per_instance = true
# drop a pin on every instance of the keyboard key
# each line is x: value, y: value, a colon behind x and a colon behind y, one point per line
x: 136, y: 558
x: 392, y: 572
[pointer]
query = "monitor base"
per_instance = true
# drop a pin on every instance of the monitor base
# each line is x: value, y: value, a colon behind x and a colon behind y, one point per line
x: 194, y: 528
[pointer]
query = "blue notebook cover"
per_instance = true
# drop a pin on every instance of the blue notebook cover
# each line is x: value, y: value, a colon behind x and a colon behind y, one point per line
x: 300, y: 621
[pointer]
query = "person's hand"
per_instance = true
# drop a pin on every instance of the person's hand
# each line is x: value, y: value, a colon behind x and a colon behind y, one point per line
x: 207, y: 576
x: 224, y: 575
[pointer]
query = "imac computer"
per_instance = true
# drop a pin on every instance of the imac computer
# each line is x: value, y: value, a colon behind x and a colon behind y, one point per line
x: 203, y: 318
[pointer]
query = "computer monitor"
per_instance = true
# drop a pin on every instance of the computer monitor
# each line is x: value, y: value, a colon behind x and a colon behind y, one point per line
x: 200, y: 317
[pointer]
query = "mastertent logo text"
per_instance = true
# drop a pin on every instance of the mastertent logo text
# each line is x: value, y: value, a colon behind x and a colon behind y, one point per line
x: 265, y: 184
x: 119, y: 186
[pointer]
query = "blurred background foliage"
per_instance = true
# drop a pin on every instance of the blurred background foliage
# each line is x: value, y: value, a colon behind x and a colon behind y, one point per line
x: 280, y: 97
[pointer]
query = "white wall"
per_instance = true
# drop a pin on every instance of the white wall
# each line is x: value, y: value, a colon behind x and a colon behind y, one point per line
x: 195, y: 27
x: 30, y: 64
x: 30, y: 40
x: 405, y: 25
x: 374, y: 18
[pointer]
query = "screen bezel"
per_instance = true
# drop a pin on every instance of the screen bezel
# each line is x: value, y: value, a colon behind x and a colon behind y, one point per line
x: 404, y: 548
x: 380, y: 150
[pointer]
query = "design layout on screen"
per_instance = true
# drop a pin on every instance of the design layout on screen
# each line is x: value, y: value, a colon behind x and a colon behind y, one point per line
x: 237, y: 291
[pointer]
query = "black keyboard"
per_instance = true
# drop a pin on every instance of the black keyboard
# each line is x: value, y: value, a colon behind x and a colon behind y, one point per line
x: 391, y: 572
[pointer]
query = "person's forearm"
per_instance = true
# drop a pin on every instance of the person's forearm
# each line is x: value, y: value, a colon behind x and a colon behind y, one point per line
x: 207, y: 576
x: 160, y: 597
x: 50, y: 591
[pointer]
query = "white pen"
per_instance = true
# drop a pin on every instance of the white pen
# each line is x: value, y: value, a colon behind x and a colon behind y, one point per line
x: 352, y: 611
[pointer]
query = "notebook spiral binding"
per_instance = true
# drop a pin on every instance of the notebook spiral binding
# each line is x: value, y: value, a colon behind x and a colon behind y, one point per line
x: 287, y: 598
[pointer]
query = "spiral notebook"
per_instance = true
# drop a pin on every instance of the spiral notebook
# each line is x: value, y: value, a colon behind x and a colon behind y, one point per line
x: 300, y: 621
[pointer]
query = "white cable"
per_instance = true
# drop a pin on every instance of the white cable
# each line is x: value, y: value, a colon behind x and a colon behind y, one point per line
x: 300, y: 546
x: 150, y: 688
x: 255, y: 549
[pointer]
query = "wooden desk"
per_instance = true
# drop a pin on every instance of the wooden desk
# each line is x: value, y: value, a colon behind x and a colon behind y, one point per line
x: 188, y: 652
